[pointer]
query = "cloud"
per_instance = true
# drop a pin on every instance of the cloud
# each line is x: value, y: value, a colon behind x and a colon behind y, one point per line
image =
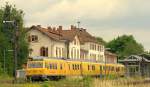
x: 105, y: 18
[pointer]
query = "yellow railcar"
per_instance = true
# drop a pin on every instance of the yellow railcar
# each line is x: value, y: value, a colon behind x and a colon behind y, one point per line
x: 73, y: 68
x: 45, y: 68
x: 50, y: 68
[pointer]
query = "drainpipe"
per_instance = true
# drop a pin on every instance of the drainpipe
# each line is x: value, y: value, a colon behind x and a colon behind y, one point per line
x: 67, y: 44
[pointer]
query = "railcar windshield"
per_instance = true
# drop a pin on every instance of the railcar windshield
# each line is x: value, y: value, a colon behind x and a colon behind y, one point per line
x: 35, y: 64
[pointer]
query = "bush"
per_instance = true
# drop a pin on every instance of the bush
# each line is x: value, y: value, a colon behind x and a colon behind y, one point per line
x: 1, y: 70
x: 45, y: 85
x: 87, y: 81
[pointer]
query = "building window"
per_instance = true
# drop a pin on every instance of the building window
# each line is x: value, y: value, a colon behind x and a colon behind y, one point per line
x: 75, y: 42
x: 74, y: 54
x: 101, y: 48
x: 44, y: 51
x: 78, y: 56
x: 92, y: 46
x: 33, y: 38
x: 60, y: 52
x: 56, y: 52
x: 71, y: 53
x: 93, y: 67
x: 63, y: 52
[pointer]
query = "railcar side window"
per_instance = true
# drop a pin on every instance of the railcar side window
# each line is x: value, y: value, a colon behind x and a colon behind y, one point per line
x: 46, y: 65
x: 93, y: 67
x: 88, y: 67
x: 61, y: 66
x: 69, y: 66
x: 73, y: 66
x: 101, y: 68
x: 55, y: 66
x: 35, y: 65
x: 112, y: 68
x: 78, y: 67
x: 118, y: 69
x: 50, y: 66
x: 109, y: 68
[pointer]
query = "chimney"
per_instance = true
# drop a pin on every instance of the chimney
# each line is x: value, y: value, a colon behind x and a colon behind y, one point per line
x: 49, y: 28
x: 39, y: 26
x: 54, y: 30
x: 73, y: 27
x: 60, y: 27
x: 33, y: 26
x: 82, y: 29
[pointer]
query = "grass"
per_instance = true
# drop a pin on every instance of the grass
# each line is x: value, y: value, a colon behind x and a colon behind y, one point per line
x: 6, y: 81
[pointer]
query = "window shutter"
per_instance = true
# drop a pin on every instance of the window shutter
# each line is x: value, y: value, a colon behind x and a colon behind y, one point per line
x: 41, y: 51
x: 46, y: 52
x: 29, y: 38
x: 36, y: 38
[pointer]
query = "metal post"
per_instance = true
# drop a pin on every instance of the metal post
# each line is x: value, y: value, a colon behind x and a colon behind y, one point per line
x: 4, y: 61
x: 81, y: 68
x: 139, y: 68
x: 15, y: 49
x: 78, y: 24
x: 105, y: 67
x: 15, y: 45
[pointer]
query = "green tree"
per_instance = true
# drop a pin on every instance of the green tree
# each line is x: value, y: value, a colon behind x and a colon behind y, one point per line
x: 11, y: 13
x: 100, y: 40
x: 1, y: 71
x: 125, y: 45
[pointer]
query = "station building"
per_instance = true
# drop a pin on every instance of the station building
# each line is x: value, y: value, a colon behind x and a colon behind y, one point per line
x: 73, y: 43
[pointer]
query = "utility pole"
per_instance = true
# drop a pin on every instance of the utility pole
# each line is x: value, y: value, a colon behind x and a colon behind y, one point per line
x: 4, y: 61
x: 15, y: 45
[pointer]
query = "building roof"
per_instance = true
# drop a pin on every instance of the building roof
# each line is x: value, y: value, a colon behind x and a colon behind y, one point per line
x: 60, y: 34
x: 135, y: 58
x: 48, y: 32
x: 82, y: 34
x: 109, y: 53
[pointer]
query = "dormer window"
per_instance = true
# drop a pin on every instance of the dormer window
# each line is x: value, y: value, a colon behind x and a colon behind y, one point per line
x: 75, y: 42
x: 33, y: 38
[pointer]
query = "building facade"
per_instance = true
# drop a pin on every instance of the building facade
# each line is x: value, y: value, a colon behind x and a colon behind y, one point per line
x: 42, y: 43
x: 137, y: 65
x: 74, y: 43
x: 110, y: 57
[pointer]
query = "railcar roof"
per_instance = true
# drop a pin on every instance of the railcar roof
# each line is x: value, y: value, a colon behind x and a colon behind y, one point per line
x: 40, y: 58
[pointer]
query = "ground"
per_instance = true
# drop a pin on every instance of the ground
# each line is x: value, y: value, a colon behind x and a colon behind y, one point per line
x: 77, y: 82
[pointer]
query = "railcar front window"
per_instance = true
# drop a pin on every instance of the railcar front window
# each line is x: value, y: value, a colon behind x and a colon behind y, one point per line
x: 35, y: 65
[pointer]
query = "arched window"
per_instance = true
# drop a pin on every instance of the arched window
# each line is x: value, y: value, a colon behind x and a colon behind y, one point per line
x: 44, y: 51
x: 72, y: 53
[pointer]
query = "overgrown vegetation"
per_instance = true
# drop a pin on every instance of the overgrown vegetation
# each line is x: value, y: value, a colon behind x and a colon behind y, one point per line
x: 79, y: 82
x: 125, y: 45
x: 101, y: 41
x: 68, y: 82
x: 11, y: 13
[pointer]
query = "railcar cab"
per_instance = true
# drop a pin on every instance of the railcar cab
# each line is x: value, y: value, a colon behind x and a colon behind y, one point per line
x: 45, y: 68
x: 35, y: 69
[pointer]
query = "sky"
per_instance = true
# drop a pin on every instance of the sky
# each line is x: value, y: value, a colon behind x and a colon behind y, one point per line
x: 104, y: 18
